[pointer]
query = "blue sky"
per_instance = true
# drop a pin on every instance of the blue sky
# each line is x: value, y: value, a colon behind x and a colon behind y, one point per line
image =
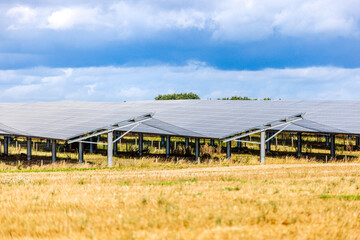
x: 134, y: 50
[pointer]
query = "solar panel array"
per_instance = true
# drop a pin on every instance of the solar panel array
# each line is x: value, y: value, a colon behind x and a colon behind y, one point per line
x: 193, y: 118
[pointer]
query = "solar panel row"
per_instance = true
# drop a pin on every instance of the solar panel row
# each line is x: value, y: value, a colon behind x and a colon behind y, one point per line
x: 193, y: 118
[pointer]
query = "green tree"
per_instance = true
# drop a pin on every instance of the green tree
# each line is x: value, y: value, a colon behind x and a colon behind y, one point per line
x: 241, y: 98
x: 177, y: 96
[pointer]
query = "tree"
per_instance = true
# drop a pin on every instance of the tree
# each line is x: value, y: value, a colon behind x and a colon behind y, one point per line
x: 241, y: 98
x: 177, y: 96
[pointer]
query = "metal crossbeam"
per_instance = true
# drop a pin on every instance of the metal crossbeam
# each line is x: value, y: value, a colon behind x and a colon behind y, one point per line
x: 278, y: 132
x: 268, y: 126
x: 101, y: 143
x: 114, y: 127
x: 125, y: 133
x: 243, y: 141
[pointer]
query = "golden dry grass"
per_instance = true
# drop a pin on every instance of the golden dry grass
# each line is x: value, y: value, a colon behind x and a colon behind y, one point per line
x: 302, y: 201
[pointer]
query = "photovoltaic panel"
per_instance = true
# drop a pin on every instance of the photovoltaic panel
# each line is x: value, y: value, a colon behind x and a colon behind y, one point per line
x: 193, y: 118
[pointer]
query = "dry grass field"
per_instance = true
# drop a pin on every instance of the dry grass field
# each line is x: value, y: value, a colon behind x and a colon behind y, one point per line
x: 279, y: 201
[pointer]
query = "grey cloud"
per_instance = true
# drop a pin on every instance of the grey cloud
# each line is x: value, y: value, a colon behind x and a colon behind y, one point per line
x: 227, y: 20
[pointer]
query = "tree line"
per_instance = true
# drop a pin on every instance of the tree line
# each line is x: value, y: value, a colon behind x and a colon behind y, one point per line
x: 191, y: 95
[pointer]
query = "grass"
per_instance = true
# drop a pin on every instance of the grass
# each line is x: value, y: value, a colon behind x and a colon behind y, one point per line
x: 154, y: 198
x: 346, y: 197
x: 171, y: 182
x: 210, y: 201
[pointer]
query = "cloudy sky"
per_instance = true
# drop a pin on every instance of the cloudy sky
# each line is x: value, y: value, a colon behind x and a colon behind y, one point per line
x: 133, y: 50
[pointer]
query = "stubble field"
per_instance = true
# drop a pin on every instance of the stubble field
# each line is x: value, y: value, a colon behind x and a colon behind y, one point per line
x: 299, y: 201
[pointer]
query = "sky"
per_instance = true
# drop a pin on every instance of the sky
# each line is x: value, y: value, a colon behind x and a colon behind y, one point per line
x: 73, y: 50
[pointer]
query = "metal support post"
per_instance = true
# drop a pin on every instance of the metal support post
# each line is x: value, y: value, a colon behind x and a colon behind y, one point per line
x: 53, y: 150
x: 162, y: 141
x: 116, y: 135
x: 48, y: 144
x: 228, y: 150
x: 6, y: 146
x: 299, y: 144
x: 327, y: 140
x: 239, y: 146
x: 197, y: 148
x: 167, y: 146
x: 186, y: 142
x: 357, y: 140
x: 110, y: 149
x: 81, y: 152
x: 141, y: 144
x: 268, y: 143
x: 91, y: 147
x: 98, y: 140
x: 262, y: 146
x: 212, y: 142
x: 28, y: 149
x: 332, y: 146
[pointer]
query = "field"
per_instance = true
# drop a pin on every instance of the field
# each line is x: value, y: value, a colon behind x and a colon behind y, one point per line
x: 182, y: 201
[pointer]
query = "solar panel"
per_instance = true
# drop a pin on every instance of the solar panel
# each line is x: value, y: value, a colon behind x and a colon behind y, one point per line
x: 193, y: 118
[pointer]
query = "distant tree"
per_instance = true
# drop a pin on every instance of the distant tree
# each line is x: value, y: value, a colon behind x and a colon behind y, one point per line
x: 241, y: 98
x: 177, y: 96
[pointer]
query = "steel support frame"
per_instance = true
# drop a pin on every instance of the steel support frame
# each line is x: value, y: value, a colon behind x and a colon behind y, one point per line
x: 268, y: 143
x: 197, y: 148
x: 332, y: 146
x: 115, y: 148
x: 141, y: 144
x: 6, y: 145
x: 81, y: 152
x: 113, y: 127
x: 239, y: 145
x: 327, y: 140
x: 262, y: 147
x: 53, y: 151
x: 28, y: 152
x: 91, y: 145
x: 299, y: 144
x: 228, y: 150
x: 48, y: 144
x: 268, y: 126
x: 110, y: 149
x: 162, y: 142
x: 81, y: 141
x: 167, y: 146
x: 244, y: 141
x: 263, y: 139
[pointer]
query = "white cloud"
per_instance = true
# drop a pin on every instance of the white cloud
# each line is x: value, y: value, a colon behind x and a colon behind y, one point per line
x: 318, y: 17
x: 23, y: 15
x: 144, y: 83
x: 235, y: 20
x: 69, y: 17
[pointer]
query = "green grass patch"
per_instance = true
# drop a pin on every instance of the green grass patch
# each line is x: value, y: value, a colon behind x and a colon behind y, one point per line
x: 160, y: 166
x: 346, y: 197
x: 231, y: 189
x: 233, y: 180
x: 171, y: 182
x: 325, y: 196
x: 125, y: 183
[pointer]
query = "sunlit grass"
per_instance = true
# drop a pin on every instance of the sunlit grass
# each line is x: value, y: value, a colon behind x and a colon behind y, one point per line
x: 210, y: 201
